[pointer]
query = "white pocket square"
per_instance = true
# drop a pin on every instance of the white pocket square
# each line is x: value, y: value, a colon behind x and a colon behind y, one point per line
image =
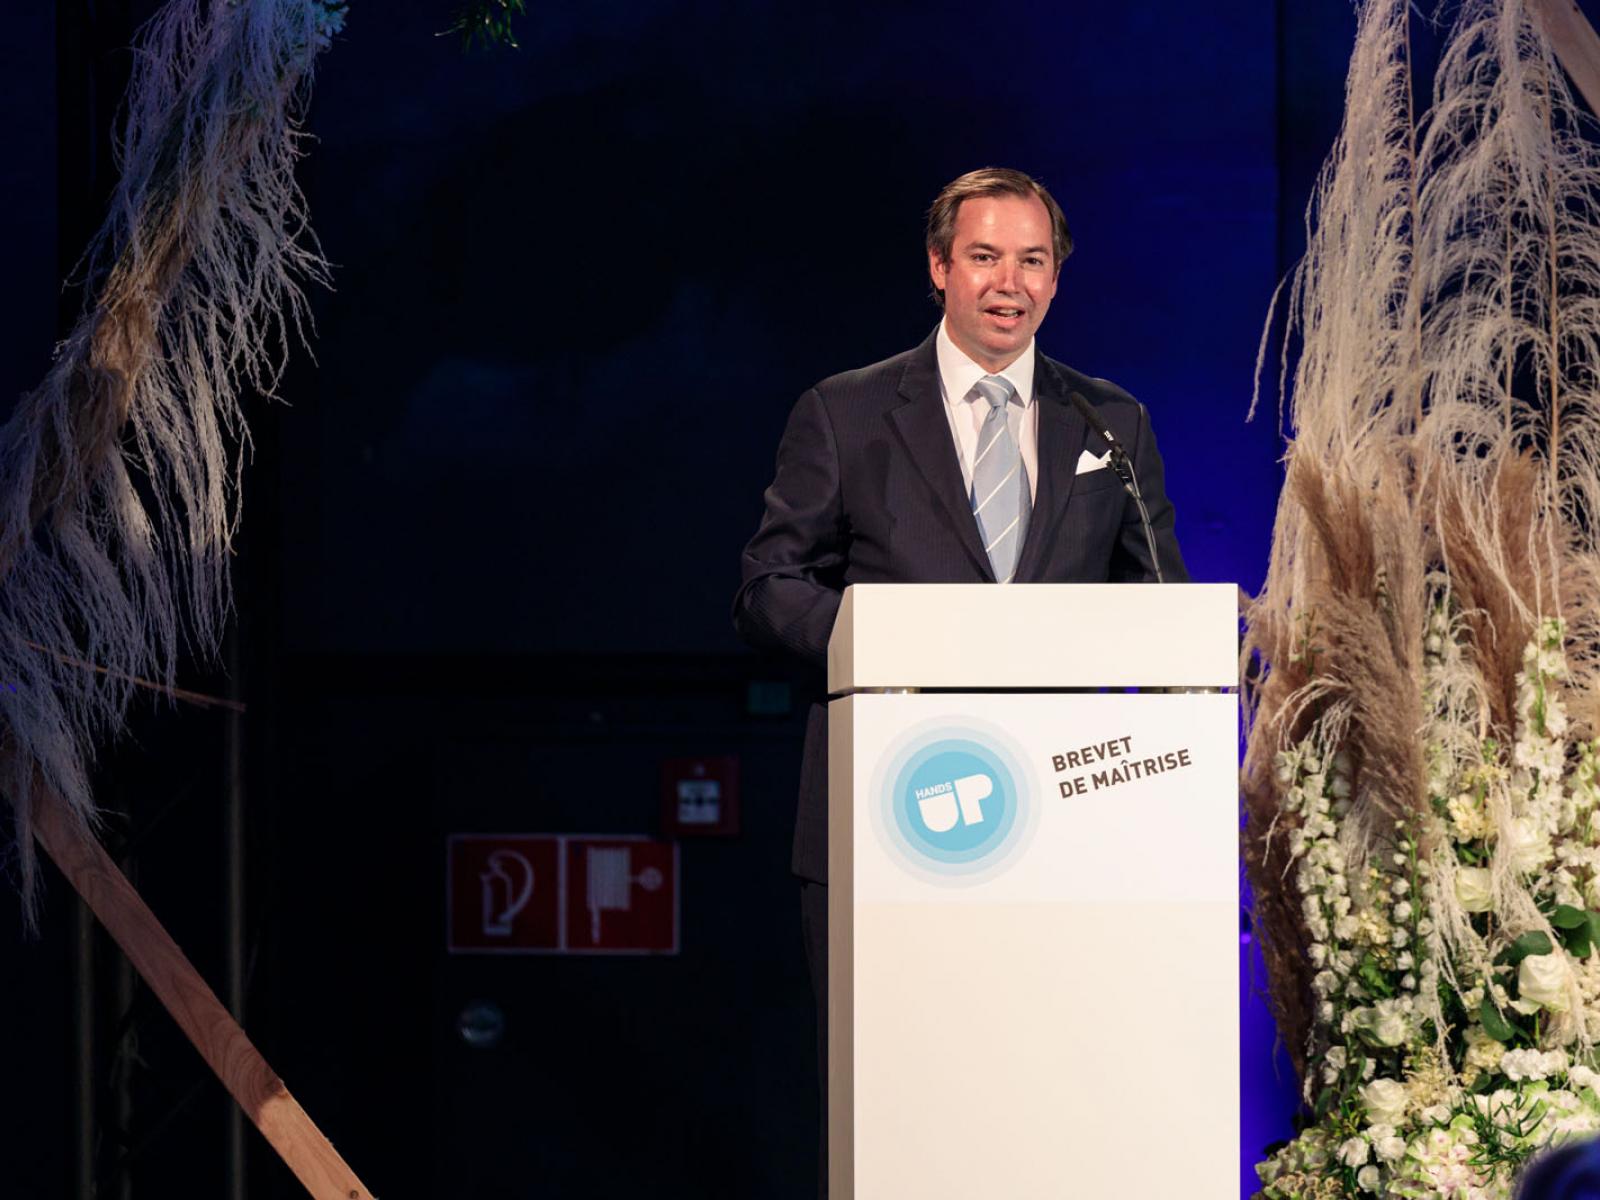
x: 1088, y: 462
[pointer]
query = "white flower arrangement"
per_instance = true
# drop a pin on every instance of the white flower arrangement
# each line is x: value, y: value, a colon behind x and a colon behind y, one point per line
x: 1455, y: 1026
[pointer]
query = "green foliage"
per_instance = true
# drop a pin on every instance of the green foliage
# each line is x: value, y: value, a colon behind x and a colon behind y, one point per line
x: 1495, y: 1025
x: 1503, y: 1132
x: 1578, y: 929
x: 488, y: 21
x: 1526, y: 946
x: 1374, y: 976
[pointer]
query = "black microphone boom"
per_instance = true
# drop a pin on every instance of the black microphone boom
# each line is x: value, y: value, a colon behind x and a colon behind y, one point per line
x: 1121, y: 464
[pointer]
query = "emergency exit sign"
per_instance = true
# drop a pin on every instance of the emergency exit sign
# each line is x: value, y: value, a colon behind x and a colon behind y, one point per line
x: 561, y: 893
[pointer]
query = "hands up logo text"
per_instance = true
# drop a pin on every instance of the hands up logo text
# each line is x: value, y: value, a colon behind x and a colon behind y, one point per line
x: 954, y: 803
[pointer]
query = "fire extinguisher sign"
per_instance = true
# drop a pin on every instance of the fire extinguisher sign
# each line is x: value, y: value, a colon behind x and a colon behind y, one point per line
x: 561, y: 893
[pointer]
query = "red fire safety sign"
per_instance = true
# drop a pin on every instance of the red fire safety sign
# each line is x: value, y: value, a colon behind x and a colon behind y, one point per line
x: 562, y: 894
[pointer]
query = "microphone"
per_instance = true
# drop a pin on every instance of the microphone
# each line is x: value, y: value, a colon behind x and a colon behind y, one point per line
x: 1124, y: 469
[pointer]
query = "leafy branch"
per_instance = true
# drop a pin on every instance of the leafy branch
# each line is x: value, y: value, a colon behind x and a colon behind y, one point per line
x: 488, y: 21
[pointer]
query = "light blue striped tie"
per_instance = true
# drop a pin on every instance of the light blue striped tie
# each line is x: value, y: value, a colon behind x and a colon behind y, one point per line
x: 1000, y: 497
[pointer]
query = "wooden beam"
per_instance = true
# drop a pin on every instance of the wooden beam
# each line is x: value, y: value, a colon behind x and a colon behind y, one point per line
x: 224, y: 1046
x: 1575, y: 42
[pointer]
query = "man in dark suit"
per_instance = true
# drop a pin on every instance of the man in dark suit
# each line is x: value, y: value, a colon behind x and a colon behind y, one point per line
x: 961, y: 461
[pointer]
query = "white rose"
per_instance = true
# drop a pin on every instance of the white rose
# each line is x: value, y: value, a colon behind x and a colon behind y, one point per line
x: 1354, y: 1152
x: 1380, y: 1025
x: 1367, y: 1179
x: 1542, y: 979
x: 1524, y: 845
x: 1472, y: 889
x: 1386, y: 1102
x: 1391, y: 1149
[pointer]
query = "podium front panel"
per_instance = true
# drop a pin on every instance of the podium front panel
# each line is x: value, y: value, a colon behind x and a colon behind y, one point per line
x: 1034, y: 927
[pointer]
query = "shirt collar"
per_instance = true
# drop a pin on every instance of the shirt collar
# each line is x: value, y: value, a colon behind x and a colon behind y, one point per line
x: 957, y: 372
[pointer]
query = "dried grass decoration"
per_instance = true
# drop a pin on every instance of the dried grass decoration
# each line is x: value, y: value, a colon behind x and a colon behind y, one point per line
x: 119, y: 474
x: 1423, y: 813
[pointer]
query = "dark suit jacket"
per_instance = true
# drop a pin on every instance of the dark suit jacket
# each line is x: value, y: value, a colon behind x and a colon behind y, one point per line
x: 869, y: 490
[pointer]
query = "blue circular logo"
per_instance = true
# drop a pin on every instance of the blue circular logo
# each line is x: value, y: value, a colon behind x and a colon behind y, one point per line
x: 954, y: 803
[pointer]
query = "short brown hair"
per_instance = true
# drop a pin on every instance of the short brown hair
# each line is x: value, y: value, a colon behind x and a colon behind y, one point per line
x: 991, y: 181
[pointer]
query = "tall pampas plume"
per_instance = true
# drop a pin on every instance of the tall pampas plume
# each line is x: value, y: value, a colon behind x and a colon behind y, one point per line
x: 1353, y: 406
x: 1422, y: 777
x: 1511, y: 282
x: 119, y: 475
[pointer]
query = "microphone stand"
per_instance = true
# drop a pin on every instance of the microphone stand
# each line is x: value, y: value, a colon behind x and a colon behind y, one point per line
x: 1121, y: 464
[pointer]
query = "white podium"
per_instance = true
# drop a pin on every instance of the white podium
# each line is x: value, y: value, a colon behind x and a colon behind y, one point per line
x: 1033, y: 890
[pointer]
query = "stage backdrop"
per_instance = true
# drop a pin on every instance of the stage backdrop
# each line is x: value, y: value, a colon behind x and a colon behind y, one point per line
x: 579, y: 287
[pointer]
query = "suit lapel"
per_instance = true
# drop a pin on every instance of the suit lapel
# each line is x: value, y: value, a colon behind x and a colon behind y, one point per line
x: 1062, y: 433
x: 925, y: 429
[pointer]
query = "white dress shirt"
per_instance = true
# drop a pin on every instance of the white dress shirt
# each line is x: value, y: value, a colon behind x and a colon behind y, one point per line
x: 967, y: 410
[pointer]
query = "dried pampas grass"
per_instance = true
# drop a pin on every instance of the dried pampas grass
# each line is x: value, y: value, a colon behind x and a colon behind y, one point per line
x: 119, y: 475
x: 1445, y: 435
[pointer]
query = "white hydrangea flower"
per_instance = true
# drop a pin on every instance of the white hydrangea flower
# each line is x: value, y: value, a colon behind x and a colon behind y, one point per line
x: 1520, y: 1065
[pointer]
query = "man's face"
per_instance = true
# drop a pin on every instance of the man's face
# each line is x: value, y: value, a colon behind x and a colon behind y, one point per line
x: 1000, y: 278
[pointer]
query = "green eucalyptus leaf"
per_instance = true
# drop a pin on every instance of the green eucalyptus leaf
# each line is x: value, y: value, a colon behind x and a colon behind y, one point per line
x: 1567, y: 917
x: 1495, y: 1025
x: 1324, y: 1102
x: 1372, y: 975
x: 1529, y: 944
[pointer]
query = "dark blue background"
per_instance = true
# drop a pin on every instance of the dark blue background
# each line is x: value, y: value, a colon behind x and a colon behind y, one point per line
x: 595, y: 275
x: 490, y: 545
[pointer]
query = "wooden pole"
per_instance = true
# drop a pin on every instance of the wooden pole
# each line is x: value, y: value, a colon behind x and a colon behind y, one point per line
x: 1575, y: 42
x: 203, y: 1019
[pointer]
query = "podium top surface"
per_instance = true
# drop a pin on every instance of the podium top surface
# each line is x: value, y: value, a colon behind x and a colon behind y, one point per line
x: 1035, y: 636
